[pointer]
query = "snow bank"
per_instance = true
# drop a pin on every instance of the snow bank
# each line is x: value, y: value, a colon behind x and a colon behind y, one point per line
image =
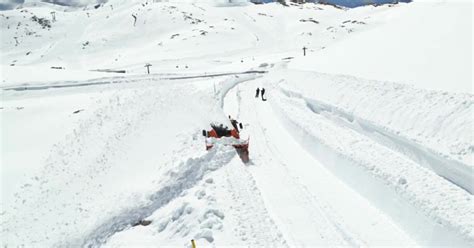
x: 181, y: 178
x: 438, y: 121
x: 225, y: 208
x: 96, y: 165
x: 410, y: 140
x: 435, y: 211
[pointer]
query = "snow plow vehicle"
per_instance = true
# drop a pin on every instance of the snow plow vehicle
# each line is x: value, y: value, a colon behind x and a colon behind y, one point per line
x: 223, y: 135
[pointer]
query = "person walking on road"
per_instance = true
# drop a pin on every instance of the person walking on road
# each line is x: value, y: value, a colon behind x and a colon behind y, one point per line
x: 258, y: 92
x: 263, y: 92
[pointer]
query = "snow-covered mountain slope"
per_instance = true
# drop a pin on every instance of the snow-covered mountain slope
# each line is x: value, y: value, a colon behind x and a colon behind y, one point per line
x: 424, y: 44
x: 203, y: 36
x: 91, y: 156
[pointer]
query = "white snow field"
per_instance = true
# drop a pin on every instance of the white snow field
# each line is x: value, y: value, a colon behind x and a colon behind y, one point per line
x: 365, y: 141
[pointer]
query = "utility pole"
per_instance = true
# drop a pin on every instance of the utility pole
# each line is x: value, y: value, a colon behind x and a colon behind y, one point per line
x: 304, y: 51
x: 148, y: 67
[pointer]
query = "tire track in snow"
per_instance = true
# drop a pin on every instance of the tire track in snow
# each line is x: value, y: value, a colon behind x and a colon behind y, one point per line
x: 254, y: 218
x: 319, y: 212
x: 254, y: 226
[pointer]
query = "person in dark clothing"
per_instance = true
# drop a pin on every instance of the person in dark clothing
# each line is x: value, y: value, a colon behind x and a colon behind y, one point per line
x: 234, y: 123
x: 220, y: 129
x: 258, y: 92
x: 134, y: 19
x: 263, y: 92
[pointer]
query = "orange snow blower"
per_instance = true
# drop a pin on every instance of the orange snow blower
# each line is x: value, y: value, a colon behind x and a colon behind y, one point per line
x: 223, y: 135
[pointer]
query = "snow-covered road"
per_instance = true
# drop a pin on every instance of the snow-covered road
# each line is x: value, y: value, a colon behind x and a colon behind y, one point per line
x: 318, y: 192
x: 311, y: 205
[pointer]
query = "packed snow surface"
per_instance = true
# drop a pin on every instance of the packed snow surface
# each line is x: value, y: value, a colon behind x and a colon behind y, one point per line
x: 366, y: 140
